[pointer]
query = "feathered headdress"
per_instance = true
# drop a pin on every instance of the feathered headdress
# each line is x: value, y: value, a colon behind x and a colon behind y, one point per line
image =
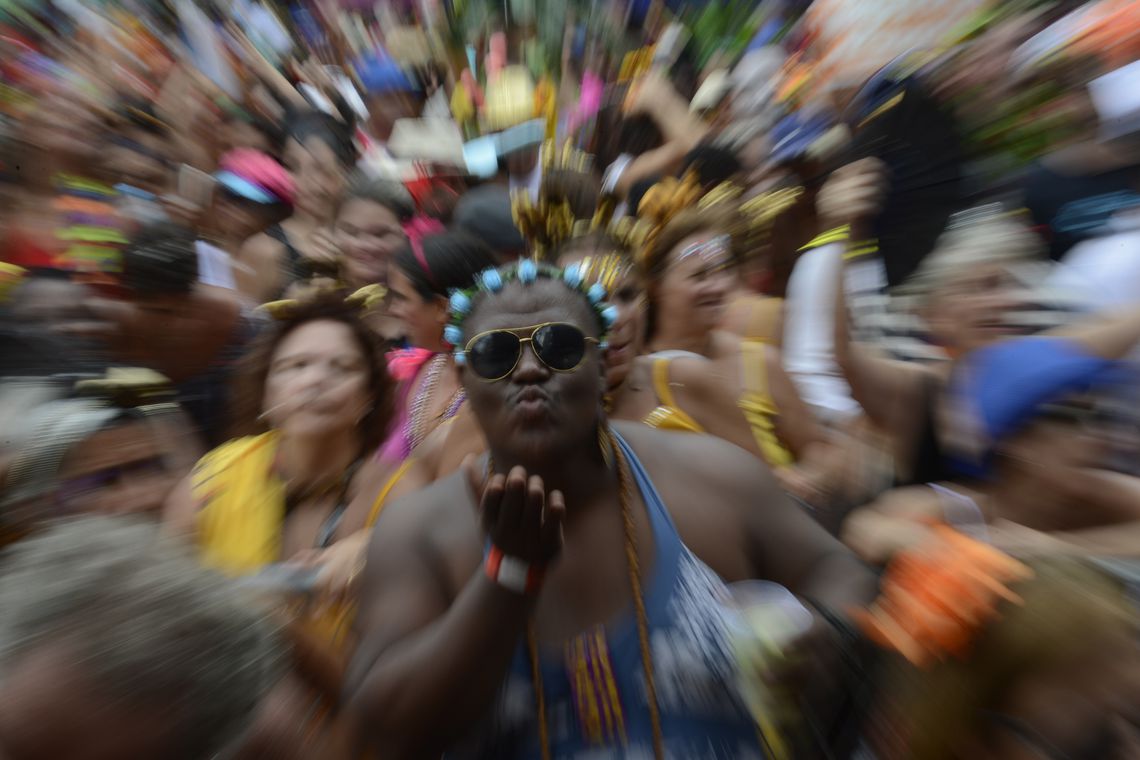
x: 549, y: 222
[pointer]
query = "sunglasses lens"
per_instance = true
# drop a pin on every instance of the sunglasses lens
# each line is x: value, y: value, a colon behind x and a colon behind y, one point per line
x: 561, y: 347
x: 493, y: 355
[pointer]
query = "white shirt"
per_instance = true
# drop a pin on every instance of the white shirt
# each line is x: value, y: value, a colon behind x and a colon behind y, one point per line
x: 215, y: 266
x: 1103, y: 273
x: 809, y: 326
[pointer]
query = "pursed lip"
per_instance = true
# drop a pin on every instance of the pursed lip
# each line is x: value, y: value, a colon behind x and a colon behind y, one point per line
x: 531, y: 393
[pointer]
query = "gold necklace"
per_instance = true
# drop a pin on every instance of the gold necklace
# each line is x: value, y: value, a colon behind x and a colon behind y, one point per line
x: 611, y: 450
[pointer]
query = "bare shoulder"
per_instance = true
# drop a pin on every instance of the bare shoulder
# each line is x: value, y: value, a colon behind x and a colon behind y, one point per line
x: 673, y: 455
x: 434, y: 527
x: 260, y: 248
x: 697, y: 372
x: 726, y: 345
x: 713, y: 490
x: 437, y: 512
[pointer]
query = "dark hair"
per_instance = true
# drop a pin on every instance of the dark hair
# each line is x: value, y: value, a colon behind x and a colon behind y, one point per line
x: 250, y: 382
x: 268, y: 213
x: 333, y: 132
x: 161, y: 260
x: 577, y: 188
x: 449, y: 260
x: 485, y: 212
x: 714, y: 164
x: 273, y: 133
x: 638, y: 134
x: 383, y: 192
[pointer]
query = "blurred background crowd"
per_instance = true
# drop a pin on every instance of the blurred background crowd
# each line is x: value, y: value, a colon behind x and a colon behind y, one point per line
x: 253, y: 468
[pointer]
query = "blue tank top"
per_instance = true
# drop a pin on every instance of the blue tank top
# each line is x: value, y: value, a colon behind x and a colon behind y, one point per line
x: 703, y: 714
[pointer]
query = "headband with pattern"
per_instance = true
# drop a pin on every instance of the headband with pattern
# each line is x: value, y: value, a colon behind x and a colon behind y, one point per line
x: 526, y: 271
x: 669, y: 197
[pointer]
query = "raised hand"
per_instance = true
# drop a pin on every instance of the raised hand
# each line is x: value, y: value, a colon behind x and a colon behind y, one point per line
x: 520, y: 517
x: 853, y: 193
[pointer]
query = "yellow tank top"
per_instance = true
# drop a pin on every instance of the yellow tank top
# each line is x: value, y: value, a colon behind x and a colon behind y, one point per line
x: 241, y: 505
x: 667, y: 415
x: 241, y: 513
x: 757, y: 404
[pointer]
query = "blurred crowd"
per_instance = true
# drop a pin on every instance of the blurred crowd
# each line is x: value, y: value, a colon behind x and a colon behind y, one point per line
x: 719, y: 379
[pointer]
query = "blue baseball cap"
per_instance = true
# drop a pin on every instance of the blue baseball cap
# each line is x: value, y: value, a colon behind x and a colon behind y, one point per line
x: 998, y: 390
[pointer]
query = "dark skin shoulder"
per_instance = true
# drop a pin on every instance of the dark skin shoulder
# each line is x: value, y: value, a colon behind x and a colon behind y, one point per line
x: 731, y: 512
x: 428, y: 617
x: 726, y: 505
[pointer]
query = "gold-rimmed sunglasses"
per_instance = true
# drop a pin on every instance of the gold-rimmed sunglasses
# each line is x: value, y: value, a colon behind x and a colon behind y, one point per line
x: 493, y: 355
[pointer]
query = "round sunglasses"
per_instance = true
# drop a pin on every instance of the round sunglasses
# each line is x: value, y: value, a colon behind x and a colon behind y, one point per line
x: 494, y: 354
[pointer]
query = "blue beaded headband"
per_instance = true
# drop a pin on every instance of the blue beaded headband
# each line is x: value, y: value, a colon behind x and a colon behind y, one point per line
x: 525, y: 271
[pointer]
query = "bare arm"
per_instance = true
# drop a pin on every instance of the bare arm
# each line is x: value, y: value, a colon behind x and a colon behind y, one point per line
x: 180, y: 513
x: 1110, y: 337
x: 898, y: 519
x: 795, y: 424
x: 785, y: 544
x: 681, y: 129
x: 1112, y: 541
x: 285, y: 92
x: 890, y: 392
x: 420, y: 637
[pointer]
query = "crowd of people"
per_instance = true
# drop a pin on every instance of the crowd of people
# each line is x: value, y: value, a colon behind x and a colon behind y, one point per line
x: 628, y: 379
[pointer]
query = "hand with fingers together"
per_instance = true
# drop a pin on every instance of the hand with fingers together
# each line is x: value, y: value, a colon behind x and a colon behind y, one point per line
x: 523, y: 525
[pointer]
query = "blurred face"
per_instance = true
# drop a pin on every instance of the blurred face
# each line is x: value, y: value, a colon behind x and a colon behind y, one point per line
x: 319, y: 176
x: 698, y: 280
x: 115, y: 471
x: 237, y: 218
x: 60, y: 306
x: 163, y: 322
x: 423, y: 320
x: 318, y: 381
x: 972, y: 309
x: 367, y: 235
x: 50, y: 710
x: 64, y: 127
x: 136, y: 158
x: 241, y: 134
x: 627, y: 336
x: 536, y: 412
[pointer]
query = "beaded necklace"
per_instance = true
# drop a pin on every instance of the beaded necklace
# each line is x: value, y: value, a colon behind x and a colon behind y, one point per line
x: 612, y: 453
x: 415, y: 430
